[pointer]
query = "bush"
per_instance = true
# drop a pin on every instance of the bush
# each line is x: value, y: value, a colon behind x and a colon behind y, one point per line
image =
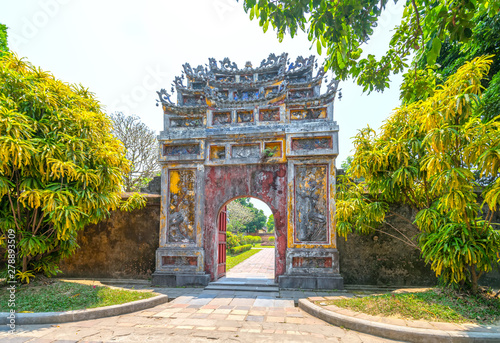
x: 272, y: 239
x: 232, y: 240
x: 251, y: 240
x: 241, y: 248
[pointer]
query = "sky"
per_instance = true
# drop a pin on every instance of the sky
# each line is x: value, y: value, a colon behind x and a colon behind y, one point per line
x: 124, y: 51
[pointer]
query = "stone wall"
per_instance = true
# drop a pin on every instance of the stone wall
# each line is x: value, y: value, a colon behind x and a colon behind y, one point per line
x: 379, y: 259
x: 122, y: 246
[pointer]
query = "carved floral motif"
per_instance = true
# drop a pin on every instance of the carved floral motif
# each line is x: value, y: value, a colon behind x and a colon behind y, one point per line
x: 179, y: 260
x: 220, y: 118
x: 181, y: 149
x: 246, y: 151
x: 192, y: 122
x: 193, y: 100
x: 269, y: 114
x: 311, y: 143
x: 300, y: 94
x: 245, y: 116
x: 310, y: 113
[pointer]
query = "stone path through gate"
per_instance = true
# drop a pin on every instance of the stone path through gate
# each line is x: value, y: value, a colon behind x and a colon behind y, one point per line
x: 260, y: 265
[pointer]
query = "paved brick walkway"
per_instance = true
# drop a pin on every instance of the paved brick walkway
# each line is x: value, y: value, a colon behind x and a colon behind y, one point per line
x: 196, y: 315
x: 260, y: 265
x: 215, y: 315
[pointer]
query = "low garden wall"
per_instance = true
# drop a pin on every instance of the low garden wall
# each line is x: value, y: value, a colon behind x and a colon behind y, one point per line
x: 124, y: 246
x: 380, y: 259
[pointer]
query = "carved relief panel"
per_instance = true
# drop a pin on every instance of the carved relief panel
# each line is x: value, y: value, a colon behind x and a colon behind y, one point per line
x: 221, y: 118
x: 181, y: 149
x: 307, y: 114
x: 246, y: 151
x: 272, y: 114
x: 311, y: 203
x: 186, y: 122
x: 217, y: 152
x: 245, y: 116
x: 181, y: 210
x: 311, y: 143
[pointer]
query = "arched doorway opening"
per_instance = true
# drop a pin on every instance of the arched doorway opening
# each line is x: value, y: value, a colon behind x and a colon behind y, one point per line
x: 223, y: 184
x: 246, y: 240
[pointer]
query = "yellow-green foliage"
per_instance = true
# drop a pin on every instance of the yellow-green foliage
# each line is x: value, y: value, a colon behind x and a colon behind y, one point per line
x: 60, y: 167
x: 241, y: 248
x: 430, y: 155
x: 3, y: 39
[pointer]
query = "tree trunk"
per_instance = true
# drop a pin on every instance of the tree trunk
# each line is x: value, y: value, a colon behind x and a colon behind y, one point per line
x: 474, y: 279
x: 25, y: 264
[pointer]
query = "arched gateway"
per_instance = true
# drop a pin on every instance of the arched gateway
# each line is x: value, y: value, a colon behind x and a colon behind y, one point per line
x: 265, y: 132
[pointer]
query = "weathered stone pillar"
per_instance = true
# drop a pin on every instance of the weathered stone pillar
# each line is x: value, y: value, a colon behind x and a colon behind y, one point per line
x: 180, y: 259
x: 312, y: 259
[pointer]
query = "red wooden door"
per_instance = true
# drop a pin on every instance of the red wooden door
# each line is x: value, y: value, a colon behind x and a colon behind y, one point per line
x: 221, y: 266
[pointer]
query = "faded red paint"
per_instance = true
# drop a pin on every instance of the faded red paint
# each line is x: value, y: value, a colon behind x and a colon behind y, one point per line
x: 267, y: 182
x: 312, y: 262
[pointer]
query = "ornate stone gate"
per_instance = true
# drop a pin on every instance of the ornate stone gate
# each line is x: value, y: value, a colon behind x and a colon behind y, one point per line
x: 265, y: 132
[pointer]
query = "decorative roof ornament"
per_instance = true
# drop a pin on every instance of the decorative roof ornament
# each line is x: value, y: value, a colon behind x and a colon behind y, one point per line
x: 274, y: 60
x: 198, y: 73
x: 212, y: 63
x: 301, y: 63
x: 164, y: 97
x: 178, y: 81
x: 221, y: 84
x: 227, y: 65
x: 332, y: 86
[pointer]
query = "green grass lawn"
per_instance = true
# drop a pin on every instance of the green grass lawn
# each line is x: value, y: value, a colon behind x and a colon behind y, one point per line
x: 231, y: 261
x: 432, y: 305
x: 55, y: 295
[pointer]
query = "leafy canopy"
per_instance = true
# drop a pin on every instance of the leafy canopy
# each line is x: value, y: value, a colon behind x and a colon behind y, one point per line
x: 270, y: 223
x: 3, y: 39
x: 420, y: 83
x: 342, y: 27
x: 60, y: 167
x: 243, y: 216
x: 425, y: 156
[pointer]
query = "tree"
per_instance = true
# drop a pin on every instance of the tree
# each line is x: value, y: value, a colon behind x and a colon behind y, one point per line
x: 3, y: 39
x: 258, y: 221
x: 485, y: 41
x: 243, y: 216
x: 141, y: 149
x: 239, y: 215
x: 425, y: 156
x: 342, y: 27
x: 60, y: 167
x: 270, y: 223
